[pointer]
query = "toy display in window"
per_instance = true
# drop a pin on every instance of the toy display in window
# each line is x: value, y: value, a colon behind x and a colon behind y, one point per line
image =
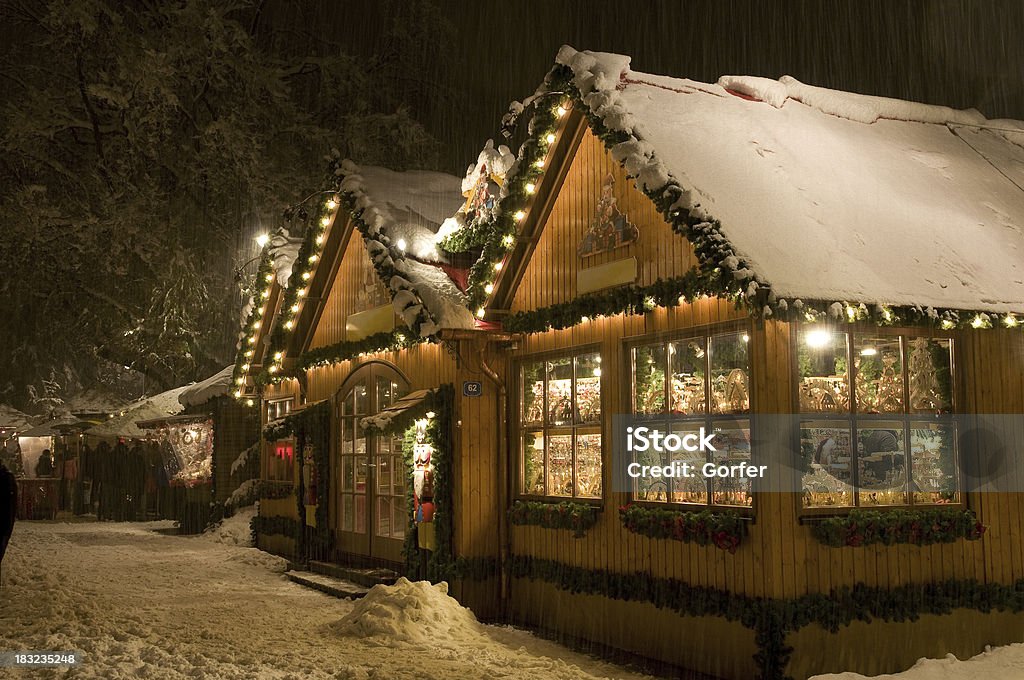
x: 730, y: 386
x: 824, y: 380
x: 828, y: 453
x: 588, y: 399
x: 559, y: 465
x: 533, y: 402
x: 560, y: 401
x: 588, y: 465
x: 731, y: 393
x: 927, y: 358
x: 881, y: 466
x: 422, y: 477
x: 933, y: 460
x: 733, y: 447
x: 533, y: 463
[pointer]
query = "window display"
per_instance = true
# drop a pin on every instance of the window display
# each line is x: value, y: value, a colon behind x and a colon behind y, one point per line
x: 689, y: 383
x: 866, y: 451
x: 560, y: 414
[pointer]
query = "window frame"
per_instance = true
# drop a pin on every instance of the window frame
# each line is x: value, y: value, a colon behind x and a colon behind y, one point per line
x: 519, y: 428
x: 705, y: 331
x: 853, y: 420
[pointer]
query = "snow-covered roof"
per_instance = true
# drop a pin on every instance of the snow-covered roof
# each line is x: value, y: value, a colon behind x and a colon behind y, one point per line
x: 123, y: 424
x: 828, y: 195
x: 11, y: 417
x: 402, y: 212
x: 217, y: 385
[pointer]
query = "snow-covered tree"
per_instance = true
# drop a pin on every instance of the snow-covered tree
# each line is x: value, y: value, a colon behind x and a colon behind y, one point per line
x: 140, y: 142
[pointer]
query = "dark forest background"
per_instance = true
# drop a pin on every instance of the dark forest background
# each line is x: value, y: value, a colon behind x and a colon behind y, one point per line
x: 144, y: 144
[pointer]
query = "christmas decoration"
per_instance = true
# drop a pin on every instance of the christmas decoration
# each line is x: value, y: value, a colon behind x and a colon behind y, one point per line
x: 721, y: 273
x: 772, y: 620
x: 577, y: 517
x: 917, y: 527
x: 610, y: 228
x: 724, y: 530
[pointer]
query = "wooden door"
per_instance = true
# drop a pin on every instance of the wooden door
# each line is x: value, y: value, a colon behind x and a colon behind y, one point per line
x: 371, y: 491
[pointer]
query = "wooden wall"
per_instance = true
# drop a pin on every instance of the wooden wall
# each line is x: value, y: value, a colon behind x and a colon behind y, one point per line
x: 779, y: 558
x: 355, y: 288
x: 550, y: 277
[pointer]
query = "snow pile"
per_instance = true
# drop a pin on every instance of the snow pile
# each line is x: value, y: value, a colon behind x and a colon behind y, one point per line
x: 857, y: 107
x: 414, y: 612
x: 244, y: 457
x: 244, y: 495
x: 217, y: 385
x: 1001, y: 663
x: 234, y: 530
x: 891, y: 202
x: 402, y: 212
x: 140, y: 604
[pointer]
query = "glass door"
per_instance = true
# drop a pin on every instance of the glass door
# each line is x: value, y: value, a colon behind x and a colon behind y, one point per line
x: 371, y: 491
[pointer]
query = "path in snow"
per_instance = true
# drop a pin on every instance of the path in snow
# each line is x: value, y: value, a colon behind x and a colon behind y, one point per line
x: 142, y: 604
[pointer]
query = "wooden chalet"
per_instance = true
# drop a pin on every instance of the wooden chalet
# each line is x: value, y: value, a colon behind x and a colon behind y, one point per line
x: 831, y: 283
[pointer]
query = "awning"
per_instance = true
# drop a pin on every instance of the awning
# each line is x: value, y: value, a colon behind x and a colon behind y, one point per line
x: 381, y: 420
x: 182, y: 419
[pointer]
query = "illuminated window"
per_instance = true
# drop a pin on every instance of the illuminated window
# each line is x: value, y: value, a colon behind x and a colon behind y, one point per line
x: 682, y: 385
x: 876, y: 427
x: 560, y: 427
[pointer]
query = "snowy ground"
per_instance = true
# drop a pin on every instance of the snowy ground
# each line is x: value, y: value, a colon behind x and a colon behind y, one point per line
x: 142, y: 604
x: 1001, y: 663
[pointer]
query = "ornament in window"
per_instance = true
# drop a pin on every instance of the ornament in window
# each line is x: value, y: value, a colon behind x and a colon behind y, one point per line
x: 925, y: 390
x: 610, y: 227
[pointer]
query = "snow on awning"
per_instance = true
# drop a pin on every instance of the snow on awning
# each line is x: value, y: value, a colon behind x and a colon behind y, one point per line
x: 56, y: 427
x: 829, y: 195
x: 381, y: 420
x: 217, y: 385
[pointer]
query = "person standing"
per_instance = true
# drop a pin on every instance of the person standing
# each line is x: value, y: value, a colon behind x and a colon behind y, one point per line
x: 8, y: 507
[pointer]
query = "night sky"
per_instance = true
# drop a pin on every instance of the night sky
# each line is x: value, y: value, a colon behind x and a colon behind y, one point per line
x: 146, y: 144
x: 959, y: 54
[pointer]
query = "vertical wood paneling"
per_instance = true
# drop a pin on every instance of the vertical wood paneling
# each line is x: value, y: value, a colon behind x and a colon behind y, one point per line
x: 355, y: 288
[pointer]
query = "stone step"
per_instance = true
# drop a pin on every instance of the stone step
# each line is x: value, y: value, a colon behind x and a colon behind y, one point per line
x: 326, y: 584
x: 367, y: 577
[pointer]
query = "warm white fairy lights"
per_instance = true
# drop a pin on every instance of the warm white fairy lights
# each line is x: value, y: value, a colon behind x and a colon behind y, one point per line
x: 291, y: 311
x: 530, y: 188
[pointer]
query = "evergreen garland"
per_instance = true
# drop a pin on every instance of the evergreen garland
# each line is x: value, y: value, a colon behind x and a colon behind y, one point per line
x: 722, y: 529
x: 577, y: 517
x: 623, y: 300
x: 774, y: 619
x: 269, y: 490
x: 265, y: 269
x: 721, y: 272
x: 346, y: 350
x: 916, y: 527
